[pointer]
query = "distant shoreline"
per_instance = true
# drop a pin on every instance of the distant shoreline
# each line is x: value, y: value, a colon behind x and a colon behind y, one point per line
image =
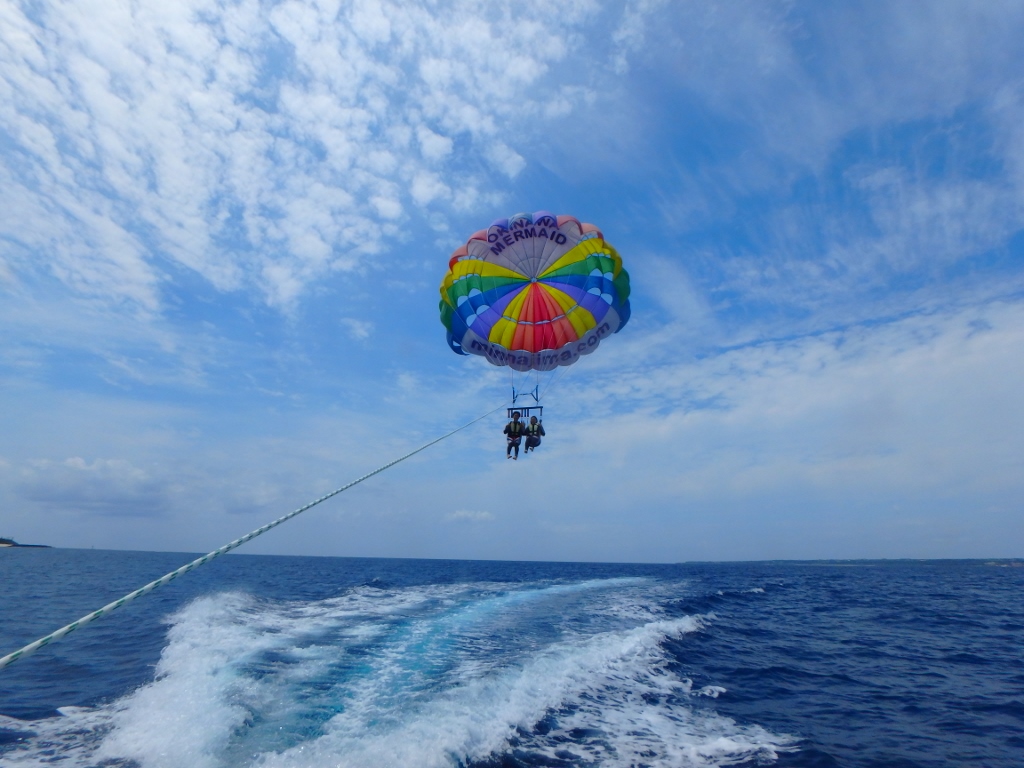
x: 12, y: 543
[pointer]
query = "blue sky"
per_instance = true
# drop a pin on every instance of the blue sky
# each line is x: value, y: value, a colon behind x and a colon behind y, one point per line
x: 223, y: 226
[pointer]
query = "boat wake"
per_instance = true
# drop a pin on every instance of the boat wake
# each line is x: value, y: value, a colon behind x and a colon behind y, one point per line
x: 572, y: 674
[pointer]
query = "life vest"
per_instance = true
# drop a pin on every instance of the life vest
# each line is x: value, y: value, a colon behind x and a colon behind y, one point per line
x: 533, y: 429
x: 515, y: 428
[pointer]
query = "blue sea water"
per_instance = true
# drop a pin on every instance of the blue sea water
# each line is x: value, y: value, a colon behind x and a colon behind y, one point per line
x: 287, y: 662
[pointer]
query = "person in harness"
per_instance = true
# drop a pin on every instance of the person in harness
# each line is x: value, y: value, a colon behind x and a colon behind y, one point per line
x: 534, y: 432
x: 514, y: 429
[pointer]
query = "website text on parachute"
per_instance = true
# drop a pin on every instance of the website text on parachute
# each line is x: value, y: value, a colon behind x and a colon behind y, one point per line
x: 534, y: 292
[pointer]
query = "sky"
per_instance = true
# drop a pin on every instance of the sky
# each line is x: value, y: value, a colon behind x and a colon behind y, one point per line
x: 223, y: 226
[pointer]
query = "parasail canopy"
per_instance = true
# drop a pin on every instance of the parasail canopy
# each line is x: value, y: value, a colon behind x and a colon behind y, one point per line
x: 533, y: 292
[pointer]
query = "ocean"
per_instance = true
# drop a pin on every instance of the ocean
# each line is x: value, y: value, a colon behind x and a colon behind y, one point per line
x: 292, y: 662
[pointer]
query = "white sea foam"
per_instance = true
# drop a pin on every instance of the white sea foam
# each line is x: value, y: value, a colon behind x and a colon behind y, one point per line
x: 614, y: 685
x: 70, y: 739
x: 422, y: 676
x: 714, y: 691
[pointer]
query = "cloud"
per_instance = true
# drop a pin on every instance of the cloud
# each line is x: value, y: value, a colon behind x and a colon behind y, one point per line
x: 630, y: 36
x: 265, y: 148
x: 884, y: 238
x: 891, y: 440
x: 465, y: 515
x: 921, y: 405
x: 259, y: 146
x: 666, y: 281
x: 433, y: 145
x: 427, y: 187
x: 507, y: 159
x: 357, y: 329
x: 191, y: 481
x: 104, y: 486
x: 800, y: 446
x: 802, y: 76
x: 408, y: 382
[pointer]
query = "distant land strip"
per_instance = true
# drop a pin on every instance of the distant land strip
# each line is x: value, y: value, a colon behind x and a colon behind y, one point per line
x: 12, y: 543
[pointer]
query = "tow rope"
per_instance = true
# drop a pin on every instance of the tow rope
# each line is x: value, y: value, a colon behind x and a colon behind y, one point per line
x: 111, y: 607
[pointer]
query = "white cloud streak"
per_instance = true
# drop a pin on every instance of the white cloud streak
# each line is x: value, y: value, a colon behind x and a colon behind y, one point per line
x: 889, y: 440
x: 471, y: 516
x: 260, y: 145
x: 266, y: 146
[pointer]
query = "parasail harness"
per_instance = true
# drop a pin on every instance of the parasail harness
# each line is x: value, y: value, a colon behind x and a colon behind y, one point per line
x: 526, y: 410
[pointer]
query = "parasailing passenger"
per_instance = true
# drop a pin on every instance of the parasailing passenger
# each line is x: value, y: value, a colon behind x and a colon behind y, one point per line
x: 514, y: 429
x: 534, y: 432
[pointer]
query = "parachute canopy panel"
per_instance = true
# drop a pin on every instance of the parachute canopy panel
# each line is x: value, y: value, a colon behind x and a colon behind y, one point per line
x: 533, y: 292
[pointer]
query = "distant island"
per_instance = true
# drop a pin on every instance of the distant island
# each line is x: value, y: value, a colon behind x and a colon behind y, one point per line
x: 12, y: 543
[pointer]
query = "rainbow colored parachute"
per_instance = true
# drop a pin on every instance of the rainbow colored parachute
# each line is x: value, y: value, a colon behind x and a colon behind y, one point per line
x: 534, y: 292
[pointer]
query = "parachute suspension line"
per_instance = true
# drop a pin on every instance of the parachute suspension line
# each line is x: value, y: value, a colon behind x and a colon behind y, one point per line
x: 563, y: 370
x: 553, y: 379
x: 558, y: 375
x: 111, y: 607
x: 524, y: 379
